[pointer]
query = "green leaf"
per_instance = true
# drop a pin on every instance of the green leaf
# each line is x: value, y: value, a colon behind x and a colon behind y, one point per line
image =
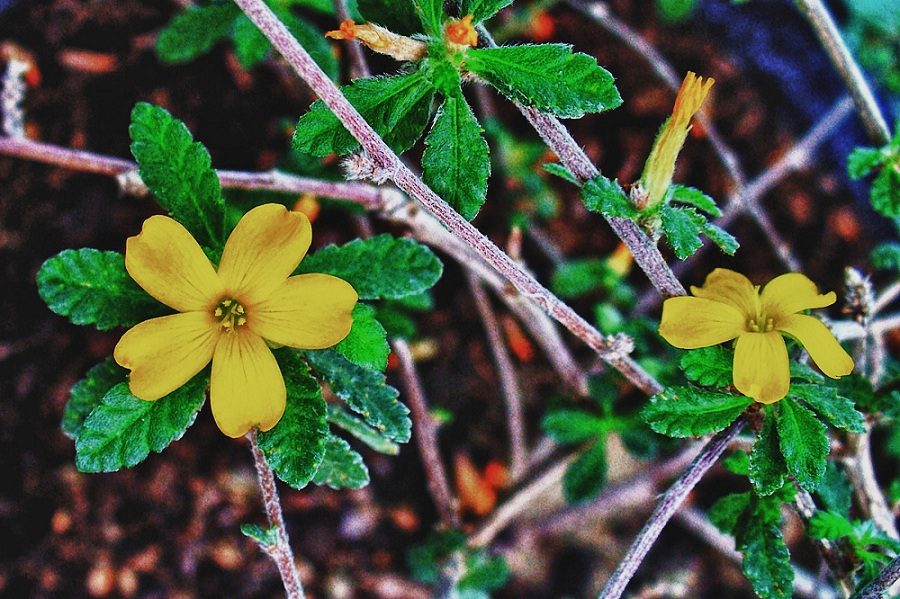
x: 396, y: 15
x: 266, y: 537
x: 767, y: 468
x: 561, y: 171
x: 727, y: 511
x: 548, y: 77
x: 580, y: 277
x: 886, y: 192
x: 366, y: 344
x: 87, y: 394
x: 571, y: 426
x: 194, y: 31
x: 295, y: 446
x: 606, y: 197
x: 341, y: 467
x: 863, y: 161
x: 483, y: 573
x: 483, y: 10
x: 397, y: 107
x: 804, y: 443
x: 362, y: 431
x: 767, y: 562
x: 123, y: 430
x: 836, y: 409
x: 381, y: 267
x: 586, y: 475
x: 92, y: 287
x: 395, y: 320
x: 365, y: 391
x: 738, y: 463
x: 708, y: 366
x: 722, y: 238
x: 835, y: 490
x: 804, y: 372
x: 456, y: 163
x: 250, y: 45
x: 696, y: 198
x: 886, y: 257
x: 827, y: 525
x: 691, y: 412
x: 179, y: 172
x: 431, y: 14
x: 683, y: 227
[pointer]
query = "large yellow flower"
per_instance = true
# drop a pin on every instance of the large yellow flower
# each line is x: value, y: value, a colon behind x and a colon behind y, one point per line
x: 729, y: 306
x: 227, y: 316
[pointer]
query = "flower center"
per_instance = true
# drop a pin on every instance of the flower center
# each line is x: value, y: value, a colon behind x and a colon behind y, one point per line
x: 230, y: 314
x: 767, y: 324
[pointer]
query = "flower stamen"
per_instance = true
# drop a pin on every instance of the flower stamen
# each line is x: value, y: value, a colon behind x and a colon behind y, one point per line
x: 230, y: 314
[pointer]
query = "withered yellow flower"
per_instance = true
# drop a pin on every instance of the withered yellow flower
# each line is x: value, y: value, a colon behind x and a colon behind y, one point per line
x: 227, y: 316
x: 462, y: 31
x: 660, y: 166
x: 381, y: 40
x: 729, y: 306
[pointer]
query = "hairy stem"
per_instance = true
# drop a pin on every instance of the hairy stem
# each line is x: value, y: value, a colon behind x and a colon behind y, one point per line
x: 882, y: 583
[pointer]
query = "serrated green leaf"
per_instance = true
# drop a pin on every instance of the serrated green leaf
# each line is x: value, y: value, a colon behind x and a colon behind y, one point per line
x: 397, y: 15
x: 863, y: 161
x: 804, y: 372
x: 250, y: 45
x: 580, y: 277
x: 738, y: 463
x: 266, y: 537
x: 708, y: 366
x: 726, y: 512
x: 362, y: 431
x: 431, y: 14
x: 886, y: 192
x: 365, y: 391
x: 692, y: 196
x: 836, y: 409
x: 682, y: 227
x: 571, y: 426
x: 835, y: 490
x: 194, y: 31
x: 395, y: 320
x: 767, y: 468
x: 295, y: 446
x: 456, y: 163
x: 483, y: 10
x: 92, y: 287
x: 691, y: 412
x: 561, y: 171
x: 397, y: 107
x: 179, y: 172
x: 587, y: 474
x: 366, y: 344
x: 123, y: 430
x: 886, y: 257
x: 767, y: 562
x: 605, y: 196
x: 803, y: 441
x: 341, y: 467
x: 549, y: 77
x: 722, y: 238
x: 484, y: 573
x: 87, y: 394
x: 831, y: 526
x: 381, y: 267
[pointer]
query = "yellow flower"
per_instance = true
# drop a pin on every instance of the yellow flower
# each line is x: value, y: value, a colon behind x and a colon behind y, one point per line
x: 660, y: 166
x: 729, y: 306
x: 462, y: 31
x: 227, y: 316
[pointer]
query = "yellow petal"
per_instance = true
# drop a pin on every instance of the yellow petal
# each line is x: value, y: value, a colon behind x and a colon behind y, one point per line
x: 164, y: 353
x: 761, y: 368
x: 167, y: 262
x: 692, y: 322
x: 263, y: 250
x: 822, y: 346
x: 247, y: 389
x: 307, y: 312
x: 729, y: 287
x: 791, y: 293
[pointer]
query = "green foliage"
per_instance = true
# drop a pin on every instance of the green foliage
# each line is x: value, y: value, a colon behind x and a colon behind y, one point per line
x: 296, y: 445
x: 726, y: 512
x: 767, y: 468
x: 886, y: 257
x: 482, y: 572
x: 381, y: 267
x: 692, y: 412
x: 431, y: 14
x: 691, y: 196
x: 863, y: 161
x: 886, y: 192
x: 397, y: 107
x: 123, y: 430
x: 572, y: 426
x: 803, y: 442
x: 884, y: 163
x: 362, y: 431
x: 87, y: 394
x: 250, y: 45
x: 266, y: 537
x: 683, y: 227
x: 195, y: 31
x: 366, y: 344
x: 708, y: 366
x: 341, y: 466
x: 675, y: 11
x: 456, y: 163
x: 549, y: 77
x: 561, y: 171
x: 365, y: 391
x: 179, y: 172
x: 396, y: 15
x: 580, y: 277
x: 871, y: 31
x: 865, y: 540
x: 606, y: 197
x: 483, y: 10
x: 587, y: 474
x: 835, y: 409
x: 92, y: 287
x: 835, y: 490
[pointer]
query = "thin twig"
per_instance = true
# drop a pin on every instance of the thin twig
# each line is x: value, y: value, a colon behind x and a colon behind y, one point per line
x: 667, y: 507
x: 426, y: 437
x: 359, y: 66
x: 882, y: 583
x: 506, y: 372
x: 830, y: 552
x: 886, y: 297
x: 825, y: 29
x: 280, y: 551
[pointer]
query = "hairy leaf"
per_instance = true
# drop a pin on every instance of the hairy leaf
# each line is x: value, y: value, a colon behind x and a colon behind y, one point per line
x: 397, y: 15
x: 863, y: 161
x: 194, y: 31
x: 886, y: 192
x: 366, y: 344
x: 692, y: 196
x: 708, y: 366
x: 483, y: 10
x: 767, y: 468
x: 341, y: 467
x: 836, y: 409
x: 87, y: 394
x: 691, y: 412
x: 606, y: 197
x: 803, y: 441
x: 431, y: 14
x: 683, y: 227
x: 767, y: 562
x: 362, y: 431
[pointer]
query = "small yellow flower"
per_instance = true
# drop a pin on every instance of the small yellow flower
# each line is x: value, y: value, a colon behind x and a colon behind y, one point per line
x: 462, y: 31
x: 729, y: 306
x: 660, y: 166
x: 227, y: 316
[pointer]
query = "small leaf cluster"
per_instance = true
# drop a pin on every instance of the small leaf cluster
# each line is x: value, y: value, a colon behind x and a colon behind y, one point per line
x: 871, y: 548
x: 198, y: 28
x: 113, y: 429
x: 448, y: 551
x: 884, y: 164
x: 456, y: 161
